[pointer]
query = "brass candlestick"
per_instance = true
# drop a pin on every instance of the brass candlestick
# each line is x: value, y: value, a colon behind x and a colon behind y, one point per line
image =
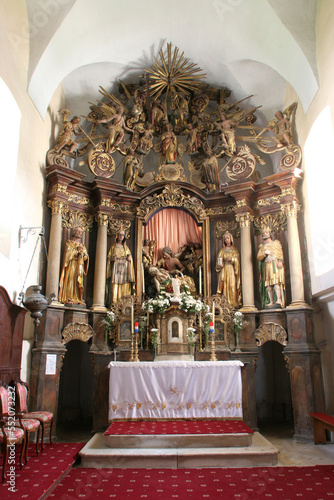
x: 213, y: 356
x: 131, y: 352
x: 136, y: 358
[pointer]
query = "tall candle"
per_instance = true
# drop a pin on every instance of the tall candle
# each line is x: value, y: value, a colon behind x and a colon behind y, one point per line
x: 213, y: 313
x: 143, y: 279
x: 200, y: 319
x: 200, y: 280
x: 132, y: 319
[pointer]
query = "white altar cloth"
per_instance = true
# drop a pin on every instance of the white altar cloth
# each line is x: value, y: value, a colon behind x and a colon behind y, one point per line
x: 175, y: 389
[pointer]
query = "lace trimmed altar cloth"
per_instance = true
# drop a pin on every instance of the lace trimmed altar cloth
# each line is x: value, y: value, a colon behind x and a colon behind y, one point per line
x: 175, y: 389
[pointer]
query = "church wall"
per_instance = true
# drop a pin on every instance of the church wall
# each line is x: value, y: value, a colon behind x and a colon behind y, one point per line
x: 321, y: 162
x: 27, y: 205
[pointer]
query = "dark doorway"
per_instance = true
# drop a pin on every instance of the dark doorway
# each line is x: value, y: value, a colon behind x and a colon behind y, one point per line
x: 75, y: 403
x: 272, y: 386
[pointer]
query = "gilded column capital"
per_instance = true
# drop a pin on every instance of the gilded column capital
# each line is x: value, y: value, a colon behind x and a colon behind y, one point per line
x: 291, y: 209
x: 244, y: 220
x: 102, y: 219
x: 56, y: 206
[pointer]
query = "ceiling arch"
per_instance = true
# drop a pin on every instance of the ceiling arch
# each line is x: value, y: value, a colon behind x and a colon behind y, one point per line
x: 125, y: 36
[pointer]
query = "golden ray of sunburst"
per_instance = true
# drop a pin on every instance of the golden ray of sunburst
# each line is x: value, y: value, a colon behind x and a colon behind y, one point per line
x: 175, y: 72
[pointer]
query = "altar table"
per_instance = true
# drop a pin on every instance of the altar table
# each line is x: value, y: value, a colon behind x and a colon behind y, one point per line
x: 175, y: 389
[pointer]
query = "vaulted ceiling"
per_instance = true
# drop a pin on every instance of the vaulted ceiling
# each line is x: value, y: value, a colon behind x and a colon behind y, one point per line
x: 253, y: 47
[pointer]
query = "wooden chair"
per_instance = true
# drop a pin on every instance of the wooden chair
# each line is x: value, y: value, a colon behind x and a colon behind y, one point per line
x: 45, y: 418
x: 30, y: 425
x: 11, y: 430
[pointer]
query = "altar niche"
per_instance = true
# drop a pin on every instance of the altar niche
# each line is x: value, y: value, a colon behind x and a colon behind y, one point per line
x: 173, y: 331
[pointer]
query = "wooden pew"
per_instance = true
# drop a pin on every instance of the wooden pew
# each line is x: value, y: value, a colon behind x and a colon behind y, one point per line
x: 321, y: 423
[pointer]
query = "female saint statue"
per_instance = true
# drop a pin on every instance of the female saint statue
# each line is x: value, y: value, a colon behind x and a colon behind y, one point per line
x: 228, y: 267
x: 75, y: 265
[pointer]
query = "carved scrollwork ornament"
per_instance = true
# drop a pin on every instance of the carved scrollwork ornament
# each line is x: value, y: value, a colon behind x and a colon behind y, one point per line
x: 71, y: 219
x: 170, y: 172
x: 77, y: 331
x: 292, y: 158
x: 171, y: 196
x: 241, y: 165
x: 101, y: 163
x: 271, y: 331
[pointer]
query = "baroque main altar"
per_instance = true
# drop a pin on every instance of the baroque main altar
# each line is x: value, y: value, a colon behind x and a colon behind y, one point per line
x: 171, y: 152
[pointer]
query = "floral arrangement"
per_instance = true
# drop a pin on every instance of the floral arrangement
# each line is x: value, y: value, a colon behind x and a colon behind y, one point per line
x: 191, y: 336
x: 190, y: 304
x: 158, y: 304
x: 108, y: 321
x: 155, y: 340
x: 238, y: 321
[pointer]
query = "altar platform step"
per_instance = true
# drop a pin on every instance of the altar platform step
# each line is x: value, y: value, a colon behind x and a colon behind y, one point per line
x: 178, y: 434
x: 97, y: 454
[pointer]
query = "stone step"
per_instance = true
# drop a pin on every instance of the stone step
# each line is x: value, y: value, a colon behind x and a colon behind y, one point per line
x: 179, y: 440
x: 97, y: 455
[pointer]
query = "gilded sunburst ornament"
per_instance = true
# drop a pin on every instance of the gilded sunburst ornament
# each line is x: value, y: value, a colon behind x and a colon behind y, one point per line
x: 173, y: 73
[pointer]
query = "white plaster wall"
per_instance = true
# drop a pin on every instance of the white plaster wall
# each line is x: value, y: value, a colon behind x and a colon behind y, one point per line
x: 27, y: 203
x: 322, y: 284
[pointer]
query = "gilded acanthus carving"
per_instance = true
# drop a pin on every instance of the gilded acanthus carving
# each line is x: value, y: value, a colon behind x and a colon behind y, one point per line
x: 271, y: 331
x: 171, y: 196
x: 290, y: 209
x: 277, y: 222
x: 117, y: 207
x: 116, y: 225
x: 72, y: 219
x: 102, y: 219
x: 56, y: 206
x: 77, y: 331
x: 244, y: 220
x: 267, y: 202
x: 79, y: 200
x: 228, y: 225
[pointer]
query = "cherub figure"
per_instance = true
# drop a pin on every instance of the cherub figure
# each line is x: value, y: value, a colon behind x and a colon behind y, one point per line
x: 65, y: 137
x: 117, y: 127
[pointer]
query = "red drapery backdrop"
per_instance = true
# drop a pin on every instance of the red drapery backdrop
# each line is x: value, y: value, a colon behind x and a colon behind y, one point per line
x: 172, y: 228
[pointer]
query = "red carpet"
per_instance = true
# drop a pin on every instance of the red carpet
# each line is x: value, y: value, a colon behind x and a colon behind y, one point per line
x: 40, y: 473
x: 284, y: 483
x: 178, y: 427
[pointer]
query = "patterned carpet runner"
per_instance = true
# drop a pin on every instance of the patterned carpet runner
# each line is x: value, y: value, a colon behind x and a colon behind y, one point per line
x: 159, y: 427
x: 40, y: 473
x: 196, y: 484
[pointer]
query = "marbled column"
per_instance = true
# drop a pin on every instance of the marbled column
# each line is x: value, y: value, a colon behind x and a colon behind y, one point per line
x: 52, y: 278
x: 247, y: 275
x: 295, y: 261
x: 100, y: 263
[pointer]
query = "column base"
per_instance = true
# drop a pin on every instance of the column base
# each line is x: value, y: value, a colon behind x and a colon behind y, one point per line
x: 299, y: 304
x: 248, y: 309
x: 98, y: 307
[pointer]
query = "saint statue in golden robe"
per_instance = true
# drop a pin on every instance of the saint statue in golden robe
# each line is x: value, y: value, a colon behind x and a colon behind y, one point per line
x: 75, y: 266
x: 228, y: 267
